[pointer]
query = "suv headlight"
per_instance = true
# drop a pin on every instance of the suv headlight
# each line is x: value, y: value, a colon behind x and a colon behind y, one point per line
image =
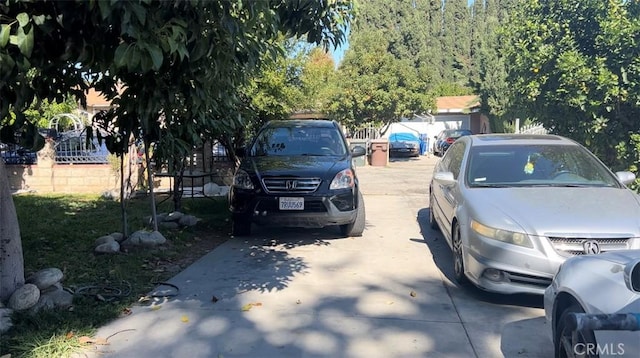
x: 242, y: 180
x: 343, y: 180
x: 510, y: 237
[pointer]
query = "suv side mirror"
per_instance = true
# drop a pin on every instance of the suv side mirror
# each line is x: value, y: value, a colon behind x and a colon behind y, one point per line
x: 632, y: 275
x: 358, y: 151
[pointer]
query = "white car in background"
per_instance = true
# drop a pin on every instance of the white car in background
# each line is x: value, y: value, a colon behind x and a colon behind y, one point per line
x: 592, y: 306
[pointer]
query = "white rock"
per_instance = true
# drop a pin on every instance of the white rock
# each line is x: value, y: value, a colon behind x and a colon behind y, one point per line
x: 54, y: 287
x: 118, y: 236
x: 24, y: 297
x: 153, y: 239
x: 173, y: 216
x: 103, y: 240
x: 46, y: 278
x: 53, y: 299
x: 188, y: 220
x: 171, y: 225
x: 5, y: 320
x: 211, y: 189
x: 224, y: 190
x: 109, y: 247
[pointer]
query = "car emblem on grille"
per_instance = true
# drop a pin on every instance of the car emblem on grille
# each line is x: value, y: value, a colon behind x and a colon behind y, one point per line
x: 591, y: 247
x: 291, y: 184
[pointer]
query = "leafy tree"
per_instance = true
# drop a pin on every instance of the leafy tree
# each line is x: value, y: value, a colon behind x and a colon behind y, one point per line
x: 318, y: 81
x: 178, y: 66
x: 574, y: 67
x: 490, y: 64
x: 456, y: 41
x: 41, y: 113
x: 381, y: 89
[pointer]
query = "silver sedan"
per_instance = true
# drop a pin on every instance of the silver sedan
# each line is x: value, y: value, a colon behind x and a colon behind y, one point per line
x: 513, y: 207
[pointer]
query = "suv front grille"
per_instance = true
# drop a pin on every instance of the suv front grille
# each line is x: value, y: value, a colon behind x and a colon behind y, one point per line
x: 291, y: 185
x: 574, y: 246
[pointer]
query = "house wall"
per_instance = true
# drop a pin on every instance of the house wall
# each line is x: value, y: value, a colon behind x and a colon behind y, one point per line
x: 479, y: 123
x: 431, y: 129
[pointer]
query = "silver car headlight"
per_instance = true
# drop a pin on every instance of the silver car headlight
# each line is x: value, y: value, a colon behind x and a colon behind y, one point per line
x: 510, y: 237
x: 242, y: 180
x: 343, y: 180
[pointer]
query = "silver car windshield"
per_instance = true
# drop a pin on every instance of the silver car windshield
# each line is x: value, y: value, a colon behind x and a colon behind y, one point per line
x: 536, y: 165
x: 299, y: 140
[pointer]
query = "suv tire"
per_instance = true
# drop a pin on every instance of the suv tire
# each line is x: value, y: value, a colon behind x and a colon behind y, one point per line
x: 241, y: 225
x: 356, y: 228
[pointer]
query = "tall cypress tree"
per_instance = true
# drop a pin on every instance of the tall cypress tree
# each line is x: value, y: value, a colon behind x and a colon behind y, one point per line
x: 456, y: 41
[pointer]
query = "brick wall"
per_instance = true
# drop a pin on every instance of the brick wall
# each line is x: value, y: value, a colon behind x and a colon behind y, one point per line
x: 49, y: 177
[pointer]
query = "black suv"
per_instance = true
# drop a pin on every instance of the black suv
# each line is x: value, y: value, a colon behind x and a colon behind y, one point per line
x: 298, y: 173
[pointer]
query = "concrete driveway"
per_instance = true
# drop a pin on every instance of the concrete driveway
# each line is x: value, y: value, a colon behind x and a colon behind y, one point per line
x: 309, y: 293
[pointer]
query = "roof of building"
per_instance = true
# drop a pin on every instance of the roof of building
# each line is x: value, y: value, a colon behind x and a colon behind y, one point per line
x: 96, y: 99
x: 457, y: 104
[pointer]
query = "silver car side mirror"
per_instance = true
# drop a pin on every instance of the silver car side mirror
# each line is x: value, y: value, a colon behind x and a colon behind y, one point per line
x: 444, y: 177
x: 626, y: 177
x: 632, y: 275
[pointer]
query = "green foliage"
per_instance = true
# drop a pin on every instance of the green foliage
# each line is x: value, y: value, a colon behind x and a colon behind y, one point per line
x: 574, y: 67
x: 178, y: 69
x: 380, y: 88
x: 41, y: 113
x: 60, y: 230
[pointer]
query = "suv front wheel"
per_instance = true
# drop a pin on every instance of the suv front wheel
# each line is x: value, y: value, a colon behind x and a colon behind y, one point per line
x: 356, y: 228
x: 241, y: 225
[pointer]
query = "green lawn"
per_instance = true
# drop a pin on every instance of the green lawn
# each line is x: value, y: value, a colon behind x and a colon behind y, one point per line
x: 59, y: 231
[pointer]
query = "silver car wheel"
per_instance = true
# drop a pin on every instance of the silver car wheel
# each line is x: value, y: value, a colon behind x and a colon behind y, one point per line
x: 432, y: 219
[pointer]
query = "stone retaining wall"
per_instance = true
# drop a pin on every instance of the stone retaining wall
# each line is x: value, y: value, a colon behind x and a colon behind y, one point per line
x: 63, y: 178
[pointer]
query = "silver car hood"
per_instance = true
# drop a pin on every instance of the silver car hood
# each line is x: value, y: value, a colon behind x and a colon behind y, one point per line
x: 587, y: 212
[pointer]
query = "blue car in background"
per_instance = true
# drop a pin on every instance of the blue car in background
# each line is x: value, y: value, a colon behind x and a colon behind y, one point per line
x: 404, y: 145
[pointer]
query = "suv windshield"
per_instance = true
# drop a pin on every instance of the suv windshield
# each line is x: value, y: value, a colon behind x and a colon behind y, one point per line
x: 299, y: 140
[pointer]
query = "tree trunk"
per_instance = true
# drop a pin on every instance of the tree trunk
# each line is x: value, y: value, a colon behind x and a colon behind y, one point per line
x: 11, y: 260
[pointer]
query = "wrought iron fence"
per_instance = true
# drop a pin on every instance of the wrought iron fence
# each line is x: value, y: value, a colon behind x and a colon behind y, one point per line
x: 14, y: 154
x: 73, y: 147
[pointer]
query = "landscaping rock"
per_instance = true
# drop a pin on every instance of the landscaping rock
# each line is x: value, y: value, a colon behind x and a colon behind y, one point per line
x: 56, y: 299
x: 145, y: 238
x: 118, y: 236
x: 188, y: 220
x: 24, y: 297
x: 108, y: 247
x: 211, y: 189
x: 174, y: 216
x: 171, y: 225
x: 153, y: 239
x: 56, y: 286
x: 113, y: 194
x: 103, y: 240
x: 46, y: 278
x: 5, y: 320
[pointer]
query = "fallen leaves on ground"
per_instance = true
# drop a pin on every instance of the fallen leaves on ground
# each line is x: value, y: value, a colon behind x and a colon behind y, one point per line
x: 248, y: 306
x: 89, y: 340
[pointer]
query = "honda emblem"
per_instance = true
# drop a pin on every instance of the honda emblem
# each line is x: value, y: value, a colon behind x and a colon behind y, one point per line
x: 291, y: 184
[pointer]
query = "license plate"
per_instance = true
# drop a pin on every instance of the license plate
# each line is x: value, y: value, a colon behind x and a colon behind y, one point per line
x: 288, y: 203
